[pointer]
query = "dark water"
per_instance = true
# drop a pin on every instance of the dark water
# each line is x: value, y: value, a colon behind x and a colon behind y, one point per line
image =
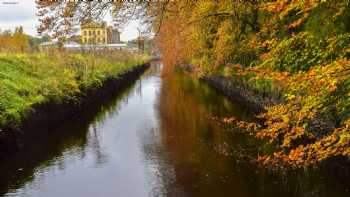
x: 153, y: 140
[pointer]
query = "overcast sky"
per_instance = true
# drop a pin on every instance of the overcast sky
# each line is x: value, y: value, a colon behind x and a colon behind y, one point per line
x: 15, y: 13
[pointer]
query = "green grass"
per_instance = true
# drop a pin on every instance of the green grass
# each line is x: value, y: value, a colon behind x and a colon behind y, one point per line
x: 30, y: 79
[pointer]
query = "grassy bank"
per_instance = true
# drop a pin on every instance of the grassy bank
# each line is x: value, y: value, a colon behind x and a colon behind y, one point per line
x: 27, y: 80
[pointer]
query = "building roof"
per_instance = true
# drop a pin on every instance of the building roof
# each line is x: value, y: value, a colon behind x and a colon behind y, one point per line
x: 70, y: 44
x: 92, y: 24
x: 96, y: 46
x: 48, y: 43
x: 117, y: 45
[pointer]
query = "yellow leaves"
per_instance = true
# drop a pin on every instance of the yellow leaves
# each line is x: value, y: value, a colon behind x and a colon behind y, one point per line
x: 298, y: 22
x: 264, y: 56
x: 345, y: 138
x: 293, y: 134
x: 224, y: 45
x: 268, y: 43
x: 249, y: 127
x: 332, y: 86
x: 298, y: 130
x: 275, y: 7
x: 290, y: 96
x: 347, y: 123
x: 299, y: 119
x: 337, y: 143
x: 228, y: 120
x: 283, y: 7
x: 285, y: 118
x: 14, y: 42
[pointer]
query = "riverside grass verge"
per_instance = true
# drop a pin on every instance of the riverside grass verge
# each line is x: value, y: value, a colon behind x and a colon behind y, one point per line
x: 28, y: 80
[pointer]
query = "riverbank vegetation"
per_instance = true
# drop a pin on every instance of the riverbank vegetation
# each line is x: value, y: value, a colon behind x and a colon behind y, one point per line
x: 297, y: 51
x: 27, y: 80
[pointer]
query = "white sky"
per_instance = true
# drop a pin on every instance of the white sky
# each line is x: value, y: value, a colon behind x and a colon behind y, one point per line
x: 15, y: 13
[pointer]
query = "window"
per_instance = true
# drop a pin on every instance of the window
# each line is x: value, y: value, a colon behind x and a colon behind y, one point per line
x: 98, y: 32
x: 89, y: 33
x: 85, y: 33
x: 103, y: 40
x: 85, y: 40
x: 98, y: 40
x: 94, y: 33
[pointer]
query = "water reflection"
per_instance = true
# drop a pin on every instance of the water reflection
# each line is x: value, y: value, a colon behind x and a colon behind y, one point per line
x: 207, y: 159
x: 190, y: 139
x: 47, y: 153
x: 153, y: 140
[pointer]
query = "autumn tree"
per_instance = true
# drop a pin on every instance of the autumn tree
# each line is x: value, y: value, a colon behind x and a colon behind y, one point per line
x: 301, y: 47
x: 20, y: 40
x: 14, y: 42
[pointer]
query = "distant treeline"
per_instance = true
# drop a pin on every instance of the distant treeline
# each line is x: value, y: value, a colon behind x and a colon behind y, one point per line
x: 18, y: 41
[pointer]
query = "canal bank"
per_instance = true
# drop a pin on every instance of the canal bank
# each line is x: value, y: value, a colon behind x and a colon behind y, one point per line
x: 47, y: 114
x: 154, y: 139
x: 337, y: 168
x: 256, y: 102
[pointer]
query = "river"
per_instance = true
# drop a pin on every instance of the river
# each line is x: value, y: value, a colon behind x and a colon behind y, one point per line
x: 154, y: 139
